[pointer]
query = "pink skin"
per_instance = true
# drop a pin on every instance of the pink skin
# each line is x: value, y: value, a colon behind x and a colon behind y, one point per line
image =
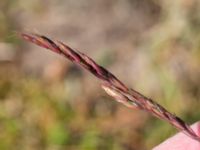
x: 181, y: 142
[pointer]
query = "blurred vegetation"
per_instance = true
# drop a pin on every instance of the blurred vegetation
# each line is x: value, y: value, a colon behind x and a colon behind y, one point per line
x: 49, y: 103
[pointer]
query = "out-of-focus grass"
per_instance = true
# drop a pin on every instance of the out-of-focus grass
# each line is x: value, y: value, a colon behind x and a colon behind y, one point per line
x: 32, y: 117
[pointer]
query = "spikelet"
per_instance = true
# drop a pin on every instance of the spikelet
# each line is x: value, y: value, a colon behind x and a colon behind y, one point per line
x: 113, y: 86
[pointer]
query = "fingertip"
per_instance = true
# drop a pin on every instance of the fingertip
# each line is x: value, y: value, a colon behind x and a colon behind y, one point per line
x: 196, y: 128
x: 180, y: 141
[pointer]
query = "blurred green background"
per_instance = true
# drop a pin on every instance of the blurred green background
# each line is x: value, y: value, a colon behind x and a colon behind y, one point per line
x: 48, y: 103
